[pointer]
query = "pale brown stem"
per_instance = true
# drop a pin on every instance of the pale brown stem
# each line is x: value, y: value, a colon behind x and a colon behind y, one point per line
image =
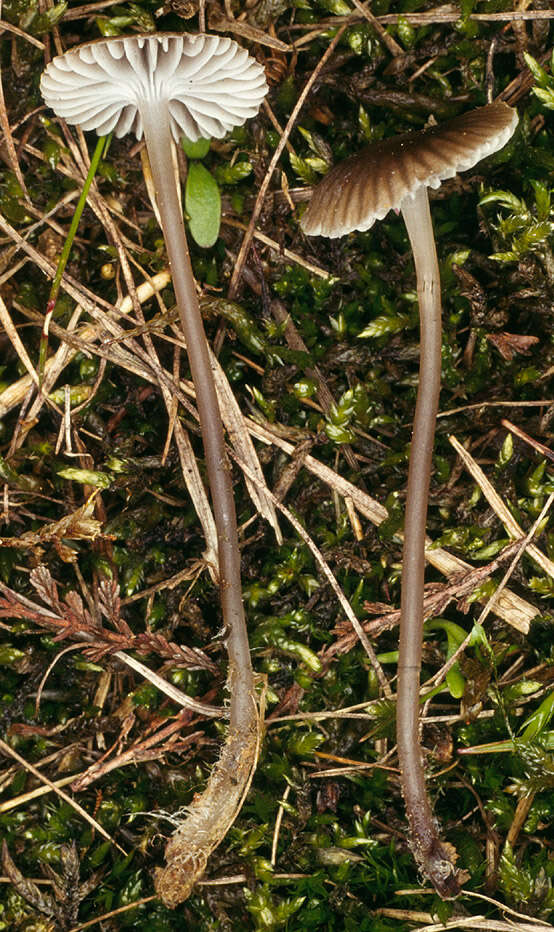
x: 433, y: 856
x: 159, y: 145
x: 210, y: 815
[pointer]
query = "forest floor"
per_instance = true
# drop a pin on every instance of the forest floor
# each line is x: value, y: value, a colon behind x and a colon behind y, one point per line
x: 105, y: 547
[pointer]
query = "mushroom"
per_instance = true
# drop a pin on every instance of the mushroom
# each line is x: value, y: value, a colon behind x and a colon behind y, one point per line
x: 394, y: 174
x: 166, y: 86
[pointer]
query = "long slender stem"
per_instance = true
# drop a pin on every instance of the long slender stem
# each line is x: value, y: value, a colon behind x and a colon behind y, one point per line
x: 159, y: 145
x: 205, y: 822
x: 434, y: 857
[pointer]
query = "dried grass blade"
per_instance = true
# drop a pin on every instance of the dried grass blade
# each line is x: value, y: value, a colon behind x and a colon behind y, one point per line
x: 510, y: 607
x: 498, y: 506
x: 8, y: 140
x: 13, y: 335
x: 241, y: 440
x: 6, y: 749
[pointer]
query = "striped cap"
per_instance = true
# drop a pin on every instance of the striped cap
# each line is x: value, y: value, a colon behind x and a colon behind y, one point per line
x: 363, y: 188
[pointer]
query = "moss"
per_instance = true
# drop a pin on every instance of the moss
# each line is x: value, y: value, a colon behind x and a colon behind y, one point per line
x: 342, y: 862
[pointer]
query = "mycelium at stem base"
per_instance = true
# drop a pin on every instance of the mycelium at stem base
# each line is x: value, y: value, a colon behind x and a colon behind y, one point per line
x: 189, y: 847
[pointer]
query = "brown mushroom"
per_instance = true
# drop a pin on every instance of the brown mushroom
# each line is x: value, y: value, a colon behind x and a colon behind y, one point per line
x: 395, y: 174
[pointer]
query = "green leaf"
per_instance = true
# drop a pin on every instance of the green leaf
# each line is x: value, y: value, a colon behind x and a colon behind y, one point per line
x: 383, y: 325
x: 358, y: 39
x: 339, y: 434
x: 545, y: 95
x: 203, y: 205
x: 506, y: 452
x: 539, y: 719
x: 100, y: 480
x: 543, y: 199
x: 318, y: 145
x: 302, y: 169
x: 406, y: 32
x: 337, y: 7
x: 509, y: 256
x: 114, y: 26
x: 455, y: 635
x: 142, y: 18
x: 195, y: 150
x: 459, y: 257
x: 506, y: 198
x: 232, y: 174
x: 319, y: 165
x: 45, y: 21
x: 241, y: 321
x: 52, y: 151
x: 540, y: 75
x: 10, y: 655
x: 364, y: 122
x: 490, y: 550
x: 308, y: 656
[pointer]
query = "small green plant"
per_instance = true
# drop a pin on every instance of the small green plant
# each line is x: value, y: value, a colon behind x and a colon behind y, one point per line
x: 309, y: 167
x: 526, y: 229
x: 545, y: 89
x: 202, y: 197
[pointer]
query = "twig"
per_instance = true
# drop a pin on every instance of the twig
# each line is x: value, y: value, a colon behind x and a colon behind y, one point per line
x: 245, y: 245
x: 8, y: 140
x: 6, y: 749
x: 374, y: 21
x: 277, y: 829
x: 39, y: 791
x: 539, y: 447
x: 9, y: 27
x: 89, y: 9
x: 15, y: 340
x: 240, y: 28
x: 480, y: 405
x: 496, y: 503
x: 287, y: 253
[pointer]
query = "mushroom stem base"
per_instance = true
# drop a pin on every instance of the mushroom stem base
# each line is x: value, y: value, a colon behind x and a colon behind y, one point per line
x: 211, y: 813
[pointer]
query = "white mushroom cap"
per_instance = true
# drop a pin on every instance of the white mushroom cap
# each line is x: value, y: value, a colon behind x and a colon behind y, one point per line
x: 363, y: 188
x: 209, y: 83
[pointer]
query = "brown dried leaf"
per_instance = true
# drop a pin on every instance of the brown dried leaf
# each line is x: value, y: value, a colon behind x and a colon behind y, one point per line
x: 109, y: 602
x: 79, y: 525
x: 26, y: 888
x: 45, y: 587
x: 508, y: 344
x: 75, y: 612
x: 191, y: 657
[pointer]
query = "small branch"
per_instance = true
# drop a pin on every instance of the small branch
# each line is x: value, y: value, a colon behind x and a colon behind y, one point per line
x: 245, y: 245
x: 6, y: 749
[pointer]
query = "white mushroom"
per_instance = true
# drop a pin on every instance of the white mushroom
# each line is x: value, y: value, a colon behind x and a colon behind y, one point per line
x: 163, y: 87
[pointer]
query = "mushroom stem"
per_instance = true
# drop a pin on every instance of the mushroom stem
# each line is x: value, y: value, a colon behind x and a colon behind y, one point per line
x: 433, y: 856
x: 164, y: 86
x: 159, y: 145
x: 211, y: 813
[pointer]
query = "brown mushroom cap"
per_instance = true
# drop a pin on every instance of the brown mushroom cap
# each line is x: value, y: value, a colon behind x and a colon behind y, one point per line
x: 363, y: 188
